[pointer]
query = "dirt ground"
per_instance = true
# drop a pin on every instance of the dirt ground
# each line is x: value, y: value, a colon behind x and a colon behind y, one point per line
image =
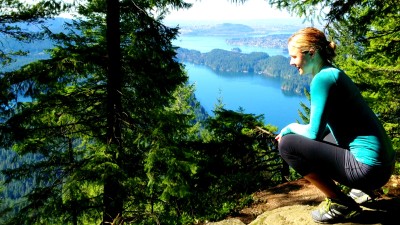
x: 291, y: 203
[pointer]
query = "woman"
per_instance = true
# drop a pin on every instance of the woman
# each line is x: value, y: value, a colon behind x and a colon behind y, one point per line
x: 361, y: 156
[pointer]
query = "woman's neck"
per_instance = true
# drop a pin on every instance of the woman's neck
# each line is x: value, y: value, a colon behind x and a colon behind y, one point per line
x: 319, y: 64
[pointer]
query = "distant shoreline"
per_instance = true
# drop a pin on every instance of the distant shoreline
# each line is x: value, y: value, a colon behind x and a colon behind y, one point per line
x: 255, y: 22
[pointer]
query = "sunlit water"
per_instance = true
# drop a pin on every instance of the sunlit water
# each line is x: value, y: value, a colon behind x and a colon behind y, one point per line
x: 256, y: 94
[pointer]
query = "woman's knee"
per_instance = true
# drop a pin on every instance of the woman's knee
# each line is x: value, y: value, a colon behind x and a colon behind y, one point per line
x: 286, y: 143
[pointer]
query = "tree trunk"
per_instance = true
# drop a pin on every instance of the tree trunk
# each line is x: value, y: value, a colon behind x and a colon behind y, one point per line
x: 113, y: 197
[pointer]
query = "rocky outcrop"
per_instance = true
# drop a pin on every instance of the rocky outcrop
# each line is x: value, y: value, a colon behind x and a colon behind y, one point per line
x: 231, y: 221
x: 291, y: 204
x: 380, y: 212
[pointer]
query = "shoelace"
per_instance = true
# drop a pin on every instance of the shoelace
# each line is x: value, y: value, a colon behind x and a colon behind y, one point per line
x: 327, y: 205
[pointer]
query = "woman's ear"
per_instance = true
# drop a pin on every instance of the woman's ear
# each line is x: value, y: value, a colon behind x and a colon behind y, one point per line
x: 311, y: 52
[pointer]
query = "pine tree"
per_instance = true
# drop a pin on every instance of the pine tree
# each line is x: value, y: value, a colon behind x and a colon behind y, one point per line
x: 96, y: 104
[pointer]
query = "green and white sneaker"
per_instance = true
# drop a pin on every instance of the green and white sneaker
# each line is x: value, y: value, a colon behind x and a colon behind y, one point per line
x: 332, y: 211
x: 361, y: 197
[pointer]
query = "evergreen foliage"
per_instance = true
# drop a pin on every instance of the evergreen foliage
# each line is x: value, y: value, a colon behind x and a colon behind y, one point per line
x: 238, y: 156
x: 67, y: 122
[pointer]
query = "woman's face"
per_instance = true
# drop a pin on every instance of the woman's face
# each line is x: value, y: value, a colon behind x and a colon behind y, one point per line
x: 300, y: 59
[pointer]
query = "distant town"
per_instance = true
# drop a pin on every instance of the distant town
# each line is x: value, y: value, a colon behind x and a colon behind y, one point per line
x: 270, y: 41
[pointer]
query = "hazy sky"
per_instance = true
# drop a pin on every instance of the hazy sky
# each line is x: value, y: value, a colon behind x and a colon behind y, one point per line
x: 224, y: 10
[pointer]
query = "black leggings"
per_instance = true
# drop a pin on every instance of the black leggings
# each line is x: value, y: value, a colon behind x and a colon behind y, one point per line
x: 325, y: 158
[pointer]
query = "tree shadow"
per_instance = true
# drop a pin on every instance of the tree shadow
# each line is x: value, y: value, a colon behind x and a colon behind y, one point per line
x: 289, y: 186
x: 381, y: 211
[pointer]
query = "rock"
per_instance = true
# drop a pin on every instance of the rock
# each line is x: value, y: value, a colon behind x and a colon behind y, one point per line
x: 381, y: 212
x: 231, y: 221
x: 288, y: 215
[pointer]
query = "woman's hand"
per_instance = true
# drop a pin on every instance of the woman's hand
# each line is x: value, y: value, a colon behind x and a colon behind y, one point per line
x: 278, y: 137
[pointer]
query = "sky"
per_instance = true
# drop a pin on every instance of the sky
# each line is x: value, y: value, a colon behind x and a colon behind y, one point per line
x: 225, y: 10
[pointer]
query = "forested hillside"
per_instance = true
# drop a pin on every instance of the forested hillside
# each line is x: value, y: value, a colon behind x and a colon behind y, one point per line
x: 255, y: 62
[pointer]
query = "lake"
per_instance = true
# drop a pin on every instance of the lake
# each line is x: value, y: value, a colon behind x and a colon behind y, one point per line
x: 256, y: 94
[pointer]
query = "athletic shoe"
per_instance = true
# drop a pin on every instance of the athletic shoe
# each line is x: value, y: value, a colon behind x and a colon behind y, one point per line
x: 361, y: 197
x: 332, y: 211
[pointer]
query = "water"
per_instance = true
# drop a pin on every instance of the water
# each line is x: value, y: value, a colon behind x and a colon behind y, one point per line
x: 256, y: 94
x: 207, y: 43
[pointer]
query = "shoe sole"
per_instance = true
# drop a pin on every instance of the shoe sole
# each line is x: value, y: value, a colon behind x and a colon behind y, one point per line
x: 361, y: 199
x: 339, y: 220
